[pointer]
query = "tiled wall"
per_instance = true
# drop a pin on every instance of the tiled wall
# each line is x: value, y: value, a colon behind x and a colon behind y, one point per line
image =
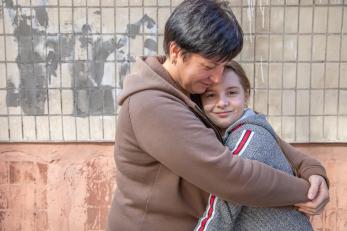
x: 62, y: 63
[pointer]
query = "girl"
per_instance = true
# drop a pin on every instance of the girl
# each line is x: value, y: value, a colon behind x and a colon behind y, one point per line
x: 248, y: 135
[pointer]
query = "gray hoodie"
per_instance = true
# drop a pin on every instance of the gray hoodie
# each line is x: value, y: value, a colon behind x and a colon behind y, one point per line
x: 252, y: 137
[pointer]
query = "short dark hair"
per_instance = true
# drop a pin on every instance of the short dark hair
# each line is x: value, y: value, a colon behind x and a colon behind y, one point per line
x: 205, y: 27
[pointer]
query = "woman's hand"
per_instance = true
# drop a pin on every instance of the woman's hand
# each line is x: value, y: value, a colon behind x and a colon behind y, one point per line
x: 318, y: 195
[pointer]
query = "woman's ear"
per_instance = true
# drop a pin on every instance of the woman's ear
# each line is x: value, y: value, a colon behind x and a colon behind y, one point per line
x: 174, y: 51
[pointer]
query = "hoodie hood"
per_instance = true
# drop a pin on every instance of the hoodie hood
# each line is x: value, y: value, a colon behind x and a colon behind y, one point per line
x: 149, y: 74
x: 250, y: 117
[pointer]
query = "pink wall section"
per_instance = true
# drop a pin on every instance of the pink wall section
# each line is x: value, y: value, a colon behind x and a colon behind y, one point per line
x: 64, y: 186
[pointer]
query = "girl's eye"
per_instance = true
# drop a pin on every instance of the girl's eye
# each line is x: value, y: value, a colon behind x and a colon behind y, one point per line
x: 230, y: 93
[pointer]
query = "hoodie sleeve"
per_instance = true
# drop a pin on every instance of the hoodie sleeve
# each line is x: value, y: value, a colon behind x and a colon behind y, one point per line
x: 304, y: 165
x: 167, y: 130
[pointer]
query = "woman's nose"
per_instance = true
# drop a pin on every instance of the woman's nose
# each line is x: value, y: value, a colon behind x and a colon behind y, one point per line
x: 217, y: 74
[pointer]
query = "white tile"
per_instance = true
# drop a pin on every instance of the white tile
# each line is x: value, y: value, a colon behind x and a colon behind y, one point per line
x: 122, y: 16
x: 262, y: 19
x: 79, y: 2
x: 305, y: 21
x: 136, y: 46
x: 330, y: 102
x: 288, y: 128
x: 316, y: 128
x: 276, y: 123
x: 69, y: 127
x: 288, y: 104
x: 96, y: 128
x: 107, y: 18
x: 4, y: 131
x: 165, y: 3
x: 333, y: 48
x: 247, y: 53
x: 65, y: 20
x: 343, y: 75
x: 320, y: 19
x: 344, y: 27
x: 122, y: 2
x: 276, y: 47
x: 344, y: 48
x: 66, y: 75
x: 289, y: 75
x: 277, y: 19
x: 304, y: 49
x: 80, y: 18
x: 332, y: 75
x: 290, y: 48
x: 342, y: 125
x: 42, y: 128
x: 53, y: 25
x: 260, y: 101
x: 152, y: 13
x: 94, y: 19
x: 11, y: 48
x: 2, y: 48
x: 54, y: 101
x: 163, y: 15
x: 275, y: 75
x: 109, y: 128
x: 3, y: 104
x: 330, y: 128
x: 319, y: 47
x: 304, y: 73
x: 15, y: 123
x: 291, y: 20
x: 67, y: 102
x: 317, y: 78
x: 261, y: 75
x: 29, y: 128
x: 302, y: 129
x: 275, y: 102
x: 302, y: 102
x: 135, y: 2
x: 317, y: 98
x: 82, y: 125
x: 56, y: 128
x: 65, y: 2
x: 149, y: 2
x: 262, y: 48
x: 335, y: 19
x: 343, y: 102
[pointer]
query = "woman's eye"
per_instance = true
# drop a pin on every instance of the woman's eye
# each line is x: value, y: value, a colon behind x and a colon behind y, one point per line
x: 209, y: 95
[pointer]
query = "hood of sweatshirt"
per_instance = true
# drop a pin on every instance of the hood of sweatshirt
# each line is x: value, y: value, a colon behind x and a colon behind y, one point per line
x: 149, y: 74
x: 250, y: 117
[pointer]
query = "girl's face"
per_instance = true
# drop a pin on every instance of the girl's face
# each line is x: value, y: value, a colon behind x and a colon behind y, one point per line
x: 224, y: 102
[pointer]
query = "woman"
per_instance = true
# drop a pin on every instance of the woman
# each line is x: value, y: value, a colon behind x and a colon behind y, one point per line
x: 169, y: 155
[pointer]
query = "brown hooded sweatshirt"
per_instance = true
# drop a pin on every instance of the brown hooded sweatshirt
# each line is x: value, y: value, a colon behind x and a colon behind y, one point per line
x: 168, y: 160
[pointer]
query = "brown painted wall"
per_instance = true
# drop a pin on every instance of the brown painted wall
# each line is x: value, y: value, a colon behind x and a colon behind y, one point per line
x: 69, y: 186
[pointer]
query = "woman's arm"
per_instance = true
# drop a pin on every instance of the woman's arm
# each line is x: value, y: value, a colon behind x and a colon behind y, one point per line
x: 304, y: 165
x: 312, y: 170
